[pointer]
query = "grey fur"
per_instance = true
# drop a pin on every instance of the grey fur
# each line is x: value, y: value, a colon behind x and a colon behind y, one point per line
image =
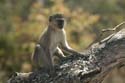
x: 48, y: 44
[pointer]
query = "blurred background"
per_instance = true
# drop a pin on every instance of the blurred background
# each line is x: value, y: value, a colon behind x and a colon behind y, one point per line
x: 22, y: 21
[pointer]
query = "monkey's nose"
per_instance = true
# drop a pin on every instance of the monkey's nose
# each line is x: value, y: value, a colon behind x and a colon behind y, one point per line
x: 60, y: 21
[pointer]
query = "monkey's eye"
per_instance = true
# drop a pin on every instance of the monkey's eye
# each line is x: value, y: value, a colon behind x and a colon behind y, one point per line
x: 60, y: 21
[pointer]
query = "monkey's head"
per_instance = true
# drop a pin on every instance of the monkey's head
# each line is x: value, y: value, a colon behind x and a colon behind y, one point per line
x: 57, y: 21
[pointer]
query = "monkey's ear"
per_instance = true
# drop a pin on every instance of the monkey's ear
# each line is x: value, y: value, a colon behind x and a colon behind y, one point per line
x: 50, y: 18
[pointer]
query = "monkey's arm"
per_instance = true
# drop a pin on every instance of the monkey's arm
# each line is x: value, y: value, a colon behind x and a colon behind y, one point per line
x: 59, y: 53
x: 66, y: 47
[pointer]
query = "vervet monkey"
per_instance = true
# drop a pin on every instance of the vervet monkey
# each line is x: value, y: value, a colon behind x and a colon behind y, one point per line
x: 51, y: 41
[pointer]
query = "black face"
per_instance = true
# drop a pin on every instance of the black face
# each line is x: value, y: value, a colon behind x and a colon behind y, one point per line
x: 60, y: 23
x: 58, y: 20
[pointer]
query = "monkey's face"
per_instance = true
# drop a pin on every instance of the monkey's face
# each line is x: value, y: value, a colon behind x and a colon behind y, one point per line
x: 57, y: 21
x: 60, y: 23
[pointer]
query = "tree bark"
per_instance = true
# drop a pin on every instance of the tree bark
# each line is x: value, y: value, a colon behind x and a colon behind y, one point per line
x: 92, y: 67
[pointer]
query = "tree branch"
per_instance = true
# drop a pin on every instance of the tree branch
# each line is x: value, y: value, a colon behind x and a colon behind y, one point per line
x: 92, y: 67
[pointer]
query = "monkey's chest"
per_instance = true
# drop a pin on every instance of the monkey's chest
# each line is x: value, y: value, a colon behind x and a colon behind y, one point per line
x: 56, y: 39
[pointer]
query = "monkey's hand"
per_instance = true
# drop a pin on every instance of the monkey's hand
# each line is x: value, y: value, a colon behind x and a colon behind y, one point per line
x: 59, y: 53
x: 78, y: 54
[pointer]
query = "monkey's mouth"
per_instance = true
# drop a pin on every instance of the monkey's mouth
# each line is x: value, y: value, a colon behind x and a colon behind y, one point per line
x: 60, y: 24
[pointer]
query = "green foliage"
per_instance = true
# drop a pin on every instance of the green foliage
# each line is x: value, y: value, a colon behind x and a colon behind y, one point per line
x: 22, y: 21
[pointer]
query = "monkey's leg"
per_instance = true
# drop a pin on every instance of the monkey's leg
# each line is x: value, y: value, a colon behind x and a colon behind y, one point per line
x: 58, y: 56
x: 48, y: 61
x: 59, y: 53
x: 40, y: 58
x: 36, y: 55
